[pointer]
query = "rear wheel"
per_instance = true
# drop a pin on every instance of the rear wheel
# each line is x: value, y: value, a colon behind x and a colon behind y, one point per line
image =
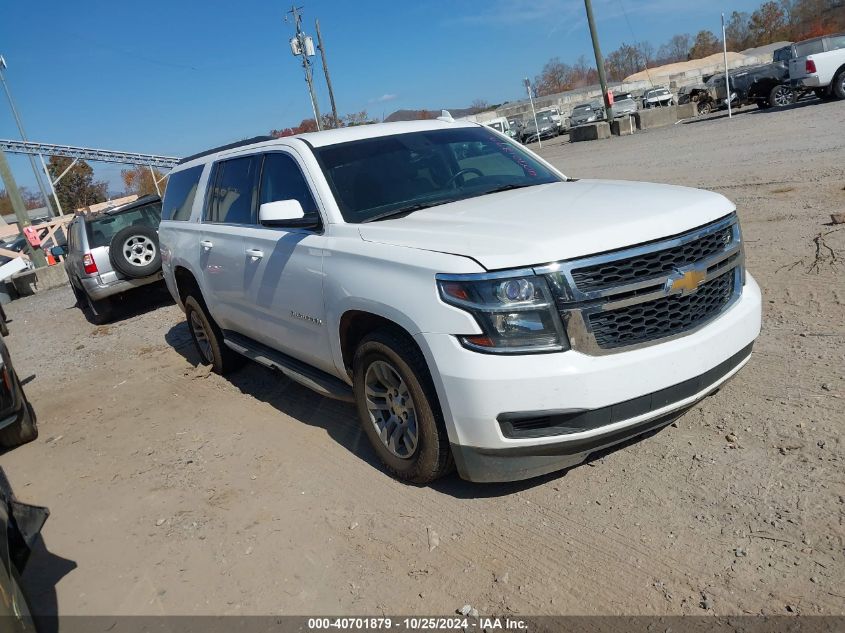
x: 838, y: 86
x: 398, y: 408
x: 781, y: 96
x: 208, y: 339
x: 99, y: 311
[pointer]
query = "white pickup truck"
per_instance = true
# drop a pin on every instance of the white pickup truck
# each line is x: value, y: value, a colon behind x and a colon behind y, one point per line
x: 481, y: 309
x: 819, y: 64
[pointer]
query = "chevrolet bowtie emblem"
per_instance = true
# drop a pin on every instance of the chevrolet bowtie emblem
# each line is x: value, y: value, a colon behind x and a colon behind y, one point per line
x: 685, y: 282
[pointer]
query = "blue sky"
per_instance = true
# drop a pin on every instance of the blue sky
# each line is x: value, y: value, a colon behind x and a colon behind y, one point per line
x: 175, y: 77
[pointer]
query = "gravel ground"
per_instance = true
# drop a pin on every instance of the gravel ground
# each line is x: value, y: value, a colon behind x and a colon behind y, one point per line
x: 177, y: 492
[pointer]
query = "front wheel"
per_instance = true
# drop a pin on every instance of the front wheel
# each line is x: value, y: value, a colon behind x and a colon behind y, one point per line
x: 23, y: 431
x: 703, y: 108
x: 398, y: 408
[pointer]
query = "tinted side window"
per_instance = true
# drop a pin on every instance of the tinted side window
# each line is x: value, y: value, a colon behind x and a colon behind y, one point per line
x: 234, y: 194
x: 281, y: 179
x: 180, y: 193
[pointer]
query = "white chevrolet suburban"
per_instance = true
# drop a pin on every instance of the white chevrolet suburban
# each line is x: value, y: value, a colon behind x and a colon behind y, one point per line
x: 480, y: 308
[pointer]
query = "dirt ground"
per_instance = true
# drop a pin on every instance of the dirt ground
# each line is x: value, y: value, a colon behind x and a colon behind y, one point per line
x: 177, y: 492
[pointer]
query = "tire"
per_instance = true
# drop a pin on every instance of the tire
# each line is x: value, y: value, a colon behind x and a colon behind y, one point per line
x: 781, y: 96
x: 26, y: 430
x: 208, y: 339
x: 135, y: 252
x: 390, y: 363
x: 837, y: 88
x: 99, y: 311
x: 704, y: 108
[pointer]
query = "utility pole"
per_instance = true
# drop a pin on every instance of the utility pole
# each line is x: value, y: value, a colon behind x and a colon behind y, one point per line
x: 51, y: 205
x: 35, y: 254
x: 608, y: 107
x: 727, y: 75
x: 303, y: 46
x: 322, y: 48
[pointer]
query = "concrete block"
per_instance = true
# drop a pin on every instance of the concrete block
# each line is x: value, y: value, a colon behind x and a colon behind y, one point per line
x: 589, y: 132
x: 687, y: 111
x: 656, y: 117
x: 50, y: 277
x: 623, y: 126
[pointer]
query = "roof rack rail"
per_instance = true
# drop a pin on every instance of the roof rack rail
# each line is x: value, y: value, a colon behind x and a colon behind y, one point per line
x: 214, y: 150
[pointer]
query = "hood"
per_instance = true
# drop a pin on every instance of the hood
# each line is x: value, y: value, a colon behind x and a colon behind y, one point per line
x: 547, y: 223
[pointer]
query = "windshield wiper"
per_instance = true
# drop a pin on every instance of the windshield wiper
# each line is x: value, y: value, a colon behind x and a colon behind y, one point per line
x: 505, y: 188
x: 401, y: 211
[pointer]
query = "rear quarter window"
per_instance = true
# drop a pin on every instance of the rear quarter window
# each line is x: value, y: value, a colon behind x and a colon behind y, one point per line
x: 180, y: 193
x: 813, y: 47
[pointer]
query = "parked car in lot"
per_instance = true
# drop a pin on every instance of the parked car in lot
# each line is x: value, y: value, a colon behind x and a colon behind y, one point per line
x: 483, y: 311
x: 517, y: 125
x: 658, y: 97
x: 18, y: 424
x: 624, y: 107
x: 586, y: 113
x: 819, y: 65
x: 20, y: 524
x: 554, y: 114
x: 547, y: 128
x: 112, y: 252
x: 501, y: 124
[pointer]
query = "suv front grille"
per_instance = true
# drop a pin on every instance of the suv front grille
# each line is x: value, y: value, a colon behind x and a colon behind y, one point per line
x: 652, y: 264
x: 649, y: 293
x: 660, y: 318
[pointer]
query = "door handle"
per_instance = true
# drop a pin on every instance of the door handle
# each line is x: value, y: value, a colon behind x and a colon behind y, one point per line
x: 206, y: 244
x: 255, y: 253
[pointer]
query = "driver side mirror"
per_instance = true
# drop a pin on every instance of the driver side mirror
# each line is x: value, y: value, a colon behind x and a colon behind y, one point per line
x: 284, y: 213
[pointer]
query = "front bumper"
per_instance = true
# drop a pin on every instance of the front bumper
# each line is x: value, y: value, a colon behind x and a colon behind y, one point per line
x: 475, y: 390
x: 98, y: 289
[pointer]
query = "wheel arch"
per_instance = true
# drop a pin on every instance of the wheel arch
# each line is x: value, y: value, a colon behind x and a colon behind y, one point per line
x: 185, y: 281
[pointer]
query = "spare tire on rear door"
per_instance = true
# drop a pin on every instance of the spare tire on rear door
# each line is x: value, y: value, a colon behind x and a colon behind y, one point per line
x: 134, y: 251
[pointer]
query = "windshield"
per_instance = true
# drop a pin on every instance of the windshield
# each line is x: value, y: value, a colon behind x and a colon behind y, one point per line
x: 583, y: 109
x: 379, y: 176
x: 497, y: 126
x: 104, y: 227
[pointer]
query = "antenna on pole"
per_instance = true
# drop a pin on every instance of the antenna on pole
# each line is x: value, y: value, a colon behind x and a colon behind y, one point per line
x: 302, y: 45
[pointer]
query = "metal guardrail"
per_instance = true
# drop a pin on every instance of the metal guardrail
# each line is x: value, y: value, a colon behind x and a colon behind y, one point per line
x: 87, y: 153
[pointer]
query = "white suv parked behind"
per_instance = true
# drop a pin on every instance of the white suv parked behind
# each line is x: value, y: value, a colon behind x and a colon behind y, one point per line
x: 479, y: 307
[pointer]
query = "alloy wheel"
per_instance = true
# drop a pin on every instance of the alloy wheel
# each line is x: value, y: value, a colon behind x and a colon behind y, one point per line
x: 201, y: 337
x: 391, y: 409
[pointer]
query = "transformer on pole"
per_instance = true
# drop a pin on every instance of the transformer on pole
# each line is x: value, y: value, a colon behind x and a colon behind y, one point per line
x: 302, y: 45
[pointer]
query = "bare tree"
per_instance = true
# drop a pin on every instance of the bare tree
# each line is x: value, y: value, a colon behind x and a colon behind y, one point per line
x: 676, y: 49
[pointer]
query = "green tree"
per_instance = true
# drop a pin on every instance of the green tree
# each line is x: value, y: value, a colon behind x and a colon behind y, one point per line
x: 77, y: 188
x: 705, y: 44
x: 139, y: 180
x: 737, y: 31
x: 767, y: 24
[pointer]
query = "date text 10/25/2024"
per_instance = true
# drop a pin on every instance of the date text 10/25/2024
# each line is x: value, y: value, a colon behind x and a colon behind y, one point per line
x: 418, y: 624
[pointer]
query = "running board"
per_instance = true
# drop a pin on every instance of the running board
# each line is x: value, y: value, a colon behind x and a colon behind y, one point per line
x: 311, y: 377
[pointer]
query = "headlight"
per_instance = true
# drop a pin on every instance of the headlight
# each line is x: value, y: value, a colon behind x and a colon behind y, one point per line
x: 516, y: 313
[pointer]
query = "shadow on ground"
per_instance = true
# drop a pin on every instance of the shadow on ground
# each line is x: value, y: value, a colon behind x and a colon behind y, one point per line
x: 340, y: 421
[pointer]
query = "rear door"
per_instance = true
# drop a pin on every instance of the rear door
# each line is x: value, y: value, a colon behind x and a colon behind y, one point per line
x: 230, y: 208
x: 283, y: 273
